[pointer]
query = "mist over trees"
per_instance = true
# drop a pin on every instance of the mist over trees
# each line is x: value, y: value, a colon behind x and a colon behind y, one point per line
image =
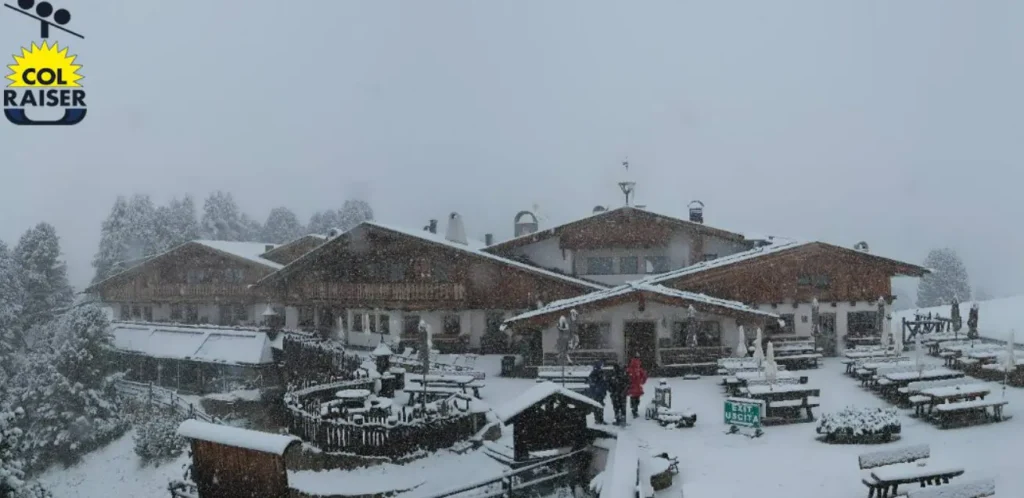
x: 948, y: 282
x: 136, y: 228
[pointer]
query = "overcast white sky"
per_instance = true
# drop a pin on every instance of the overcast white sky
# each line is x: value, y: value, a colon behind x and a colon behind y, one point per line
x: 897, y: 123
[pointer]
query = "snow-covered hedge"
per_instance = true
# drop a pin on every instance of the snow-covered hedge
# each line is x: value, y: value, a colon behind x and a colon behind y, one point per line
x: 12, y: 473
x: 859, y: 425
x: 157, y: 436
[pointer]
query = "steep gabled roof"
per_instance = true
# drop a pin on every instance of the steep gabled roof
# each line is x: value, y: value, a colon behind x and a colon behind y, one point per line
x: 248, y: 252
x: 472, y: 249
x: 314, y: 239
x: 786, y: 247
x: 608, y: 216
x: 671, y: 296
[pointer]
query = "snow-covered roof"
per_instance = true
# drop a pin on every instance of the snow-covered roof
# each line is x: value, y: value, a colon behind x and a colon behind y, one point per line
x: 235, y: 436
x: 779, y: 245
x: 195, y: 343
x: 536, y: 394
x: 246, y: 250
x: 548, y: 232
x: 639, y: 286
x: 757, y: 252
x: 382, y: 350
x: 472, y: 248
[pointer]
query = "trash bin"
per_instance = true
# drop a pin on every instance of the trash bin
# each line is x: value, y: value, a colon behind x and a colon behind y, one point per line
x: 508, y: 364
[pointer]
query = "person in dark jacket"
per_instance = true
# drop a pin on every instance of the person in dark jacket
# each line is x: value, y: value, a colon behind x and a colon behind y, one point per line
x: 618, y: 383
x: 637, y: 379
x: 598, y: 388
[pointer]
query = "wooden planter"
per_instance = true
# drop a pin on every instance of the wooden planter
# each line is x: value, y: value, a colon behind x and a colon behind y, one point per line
x: 847, y: 436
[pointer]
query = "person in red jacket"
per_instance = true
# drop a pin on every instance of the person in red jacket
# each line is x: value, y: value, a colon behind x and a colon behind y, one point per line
x: 637, y: 379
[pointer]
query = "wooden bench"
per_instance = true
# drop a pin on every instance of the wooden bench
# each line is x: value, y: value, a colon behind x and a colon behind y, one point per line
x: 878, y: 459
x: 431, y: 393
x: 973, y: 489
x: 946, y: 413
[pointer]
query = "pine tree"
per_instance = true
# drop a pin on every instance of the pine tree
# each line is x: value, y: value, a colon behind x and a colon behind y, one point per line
x: 113, y: 242
x: 11, y: 297
x: 222, y: 219
x: 354, y: 212
x: 12, y: 472
x: 324, y: 221
x: 142, y: 234
x: 282, y: 226
x: 43, y: 275
x: 948, y: 282
x: 251, y: 229
x: 176, y: 223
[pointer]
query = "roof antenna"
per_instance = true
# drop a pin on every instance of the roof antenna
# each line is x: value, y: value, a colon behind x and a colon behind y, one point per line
x: 627, y: 187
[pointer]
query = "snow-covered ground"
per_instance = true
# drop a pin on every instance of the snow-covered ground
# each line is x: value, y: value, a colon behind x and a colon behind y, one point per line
x: 996, y: 317
x: 787, y: 461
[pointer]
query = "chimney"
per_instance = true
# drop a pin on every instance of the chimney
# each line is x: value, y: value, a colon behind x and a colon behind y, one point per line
x: 431, y: 227
x: 523, y: 227
x: 488, y: 239
x: 268, y: 247
x: 697, y: 211
x: 456, y: 231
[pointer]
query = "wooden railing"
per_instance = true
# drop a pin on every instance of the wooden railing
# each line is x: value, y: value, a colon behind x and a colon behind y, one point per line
x: 153, y: 394
x: 692, y: 356
x: 172, y: 291
x: 385, y: 292
x: 524, y: 481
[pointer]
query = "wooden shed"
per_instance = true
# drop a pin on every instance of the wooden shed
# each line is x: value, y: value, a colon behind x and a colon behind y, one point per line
x: 230, y: 462
x: 548, y: 417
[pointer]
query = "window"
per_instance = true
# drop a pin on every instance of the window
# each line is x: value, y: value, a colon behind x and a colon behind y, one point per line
x: 227, y: 316
x: 493, y: 321
x: 191, y: 313
x: 126, y: 312
x: 306, y: 317
x: 788, y: 325
x: 862, y: 323
x: 656, y: 264
x: 383, y: 325
x: 396, y: 272
x: 438, y: 273
x: 594, y: 335
x: 709, y: 334
x: 234, y: 275
x: 710, y: 256
x: 136, y: 312
x: 147, y: 313
x: 452, y: 324
x: 410, y: 325
x: 196, y: 276
x: 819, y: 281
x: 358, y: 322
x: 599, y: 266
x: 241, y: 313
x: 177, y: 312
x: 629, y: 265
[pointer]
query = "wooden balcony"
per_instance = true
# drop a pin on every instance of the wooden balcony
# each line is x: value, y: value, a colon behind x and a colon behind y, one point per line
x: 182, y: 292
x: 382, y: 293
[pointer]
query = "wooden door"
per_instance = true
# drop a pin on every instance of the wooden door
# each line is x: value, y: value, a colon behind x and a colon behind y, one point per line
x: 640, y: 341
x: 826, y: 339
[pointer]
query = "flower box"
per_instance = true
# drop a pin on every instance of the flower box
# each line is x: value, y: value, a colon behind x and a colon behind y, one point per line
x: 860, y: 426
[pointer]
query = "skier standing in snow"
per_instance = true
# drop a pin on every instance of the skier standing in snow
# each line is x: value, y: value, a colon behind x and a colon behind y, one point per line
x: 637, y: 379
x: 618, y: 383
x: 598, y: 388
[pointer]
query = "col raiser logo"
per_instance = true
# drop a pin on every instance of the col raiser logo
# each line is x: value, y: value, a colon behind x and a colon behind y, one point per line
x: 44, y: 76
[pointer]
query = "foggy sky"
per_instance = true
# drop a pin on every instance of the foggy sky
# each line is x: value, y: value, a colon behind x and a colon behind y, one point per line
x: 897, y: 123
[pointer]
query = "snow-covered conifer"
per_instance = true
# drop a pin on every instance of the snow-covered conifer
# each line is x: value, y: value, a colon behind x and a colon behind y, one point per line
x: 282, y: 226
x: 222, y: 220
x: 43, y: 275
x: 950, y: 280
x: 354, y: 212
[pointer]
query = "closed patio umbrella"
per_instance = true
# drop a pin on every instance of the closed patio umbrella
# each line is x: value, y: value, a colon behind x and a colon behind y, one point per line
x: 741, y: 343
x: 771, y: 370
x: 758, y: 352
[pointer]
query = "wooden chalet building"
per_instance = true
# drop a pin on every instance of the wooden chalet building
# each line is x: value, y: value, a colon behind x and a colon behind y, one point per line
x: 201, y: 281
x: 621, y: 245
x: 787, y: 276
x: 379, y: 281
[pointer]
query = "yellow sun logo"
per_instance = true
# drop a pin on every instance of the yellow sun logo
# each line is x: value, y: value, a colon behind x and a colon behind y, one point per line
x: 44, y: 66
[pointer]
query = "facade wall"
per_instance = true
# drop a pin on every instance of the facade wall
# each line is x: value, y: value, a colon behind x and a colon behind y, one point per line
x: 802, y: 312
x: 663, y: 315
x: 547, y: 254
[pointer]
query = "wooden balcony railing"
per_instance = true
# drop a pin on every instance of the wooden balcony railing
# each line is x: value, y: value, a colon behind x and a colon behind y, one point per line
x: 176, y: 291
x: 385, y: 292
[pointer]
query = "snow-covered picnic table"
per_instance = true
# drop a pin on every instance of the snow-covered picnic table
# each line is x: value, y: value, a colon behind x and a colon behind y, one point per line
x: 734, y: 382
x: 929, y: 374
x: 763, y: 389
x: 442, y: 379
x: 353, y: 394
x: 759, y: 375
x: 916, y: 472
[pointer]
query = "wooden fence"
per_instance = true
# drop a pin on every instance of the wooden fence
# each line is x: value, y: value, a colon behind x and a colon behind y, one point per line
x: 385, y: 433
x: 537, y: 479
x: 153, y: 394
